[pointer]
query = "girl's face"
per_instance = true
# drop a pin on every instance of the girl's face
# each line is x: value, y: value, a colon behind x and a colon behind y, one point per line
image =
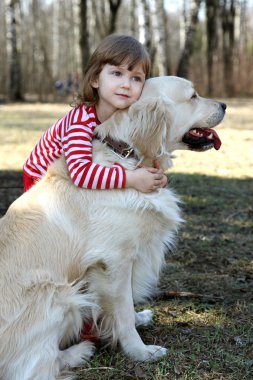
x: 118, y: 88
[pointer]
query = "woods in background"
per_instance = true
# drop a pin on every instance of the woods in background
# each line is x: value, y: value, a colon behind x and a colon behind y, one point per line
x: 45, y: 44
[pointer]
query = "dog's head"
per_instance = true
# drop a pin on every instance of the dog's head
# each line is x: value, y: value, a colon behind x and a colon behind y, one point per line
x: 176, y: 117
x: 169, y: 115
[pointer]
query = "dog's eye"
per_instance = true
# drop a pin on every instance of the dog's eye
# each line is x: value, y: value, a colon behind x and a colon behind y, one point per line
x: 194, y: 96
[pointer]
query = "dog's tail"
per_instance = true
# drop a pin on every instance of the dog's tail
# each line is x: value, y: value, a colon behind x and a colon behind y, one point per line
x: 37, y: 340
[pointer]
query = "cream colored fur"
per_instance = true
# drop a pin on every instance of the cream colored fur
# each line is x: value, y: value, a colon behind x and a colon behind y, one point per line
x: 58, y: 239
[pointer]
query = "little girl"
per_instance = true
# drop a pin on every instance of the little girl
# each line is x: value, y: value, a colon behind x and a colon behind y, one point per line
x: 113, y: 80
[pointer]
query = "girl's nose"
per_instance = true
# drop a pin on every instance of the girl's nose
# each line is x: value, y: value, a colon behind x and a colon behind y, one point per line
x: 126, y: 83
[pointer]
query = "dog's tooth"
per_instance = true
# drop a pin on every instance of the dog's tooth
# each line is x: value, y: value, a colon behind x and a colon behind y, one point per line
x: 210, y: 136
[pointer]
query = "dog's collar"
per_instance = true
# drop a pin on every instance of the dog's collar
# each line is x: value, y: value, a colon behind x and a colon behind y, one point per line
x: 121, y: 148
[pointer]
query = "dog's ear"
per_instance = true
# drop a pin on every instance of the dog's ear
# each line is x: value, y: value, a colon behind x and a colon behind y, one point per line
x: 150, y: 120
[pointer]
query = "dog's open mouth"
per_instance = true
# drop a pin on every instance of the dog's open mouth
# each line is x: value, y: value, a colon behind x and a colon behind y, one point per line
x: 202, y: 139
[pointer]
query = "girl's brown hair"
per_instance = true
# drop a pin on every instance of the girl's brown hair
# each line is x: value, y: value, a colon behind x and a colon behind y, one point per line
x: 114, y: 50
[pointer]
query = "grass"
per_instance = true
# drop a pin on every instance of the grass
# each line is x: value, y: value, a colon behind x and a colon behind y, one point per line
x: 21, y: 127
x: 210, y: 337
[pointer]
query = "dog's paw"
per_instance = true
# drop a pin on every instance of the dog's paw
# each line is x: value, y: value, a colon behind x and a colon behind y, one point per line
x: 148, y: 353
x: 76, y: 355
x: 143, y: 318
x: 154, y: 353
x: 86, y: 350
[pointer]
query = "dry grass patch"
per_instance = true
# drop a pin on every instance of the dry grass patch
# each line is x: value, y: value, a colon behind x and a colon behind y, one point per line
x: 21, y: 126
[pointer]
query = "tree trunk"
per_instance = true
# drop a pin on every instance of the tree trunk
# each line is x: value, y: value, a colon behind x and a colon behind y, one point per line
x: 3, y: 46
x: 15, y: 89
x: 228, y: 28
x: 147, y: 25
x: 134, y: 19
x: 162, y: 38
x: 84, y: 33
x: 148, y: 42
x: 184, y: 62
x: 212, y: 7
x: 100, y: 12
x: 114, y: 8
x: 182, y: 23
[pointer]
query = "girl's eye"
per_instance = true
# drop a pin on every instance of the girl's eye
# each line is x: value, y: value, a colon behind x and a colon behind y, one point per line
x: 137, y: 79
x: 116, y: 73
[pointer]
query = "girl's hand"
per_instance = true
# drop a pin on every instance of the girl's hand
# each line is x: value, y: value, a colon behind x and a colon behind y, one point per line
x: 145, y: 179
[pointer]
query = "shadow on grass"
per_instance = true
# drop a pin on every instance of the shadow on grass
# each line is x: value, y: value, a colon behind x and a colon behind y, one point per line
x: 11, y: 187
x: 214, y: 251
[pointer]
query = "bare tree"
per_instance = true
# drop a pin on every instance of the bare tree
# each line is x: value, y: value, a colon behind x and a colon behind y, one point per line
x: 3, y: 47
x: 184, y: 62
x: 148, y: 34
x: 162, y: 38
x: 105, y: 15
x: 243, y: 54
x: 182, y: 23
x: 147, y: 25
x: 212, y: 13
x: 228, y: 10
x: 100, y: 11
x: 114, y: 8
x: 134, y: 19
x: 15, y: 89
x: 40, y: 54
x: 84, y: 33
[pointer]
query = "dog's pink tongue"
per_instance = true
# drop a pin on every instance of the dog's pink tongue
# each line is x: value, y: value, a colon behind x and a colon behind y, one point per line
x: 216, y: 139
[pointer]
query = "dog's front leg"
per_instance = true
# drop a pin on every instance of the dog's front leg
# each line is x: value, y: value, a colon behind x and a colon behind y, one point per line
x: 125, y: 319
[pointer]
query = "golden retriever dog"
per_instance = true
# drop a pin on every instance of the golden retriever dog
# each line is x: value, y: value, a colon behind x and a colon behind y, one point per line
x: 68, y: 254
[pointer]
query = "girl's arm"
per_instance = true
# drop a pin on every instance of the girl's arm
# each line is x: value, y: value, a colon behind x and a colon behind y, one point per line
x: 77, y: 147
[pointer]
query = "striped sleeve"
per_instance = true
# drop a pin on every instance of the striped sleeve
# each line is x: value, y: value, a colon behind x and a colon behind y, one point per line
x: 77, y: 147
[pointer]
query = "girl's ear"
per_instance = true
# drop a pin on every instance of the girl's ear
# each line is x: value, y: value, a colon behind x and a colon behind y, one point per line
x: 150, y: 120
x: 94, y: 83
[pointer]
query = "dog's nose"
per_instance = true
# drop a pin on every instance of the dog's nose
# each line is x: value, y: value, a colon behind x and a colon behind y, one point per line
x: 223, y: 106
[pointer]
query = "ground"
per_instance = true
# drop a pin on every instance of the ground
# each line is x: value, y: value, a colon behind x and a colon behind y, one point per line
x: 208, y: 330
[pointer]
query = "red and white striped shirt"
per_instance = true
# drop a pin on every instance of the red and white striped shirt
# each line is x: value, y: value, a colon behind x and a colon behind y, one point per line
x: 72, y: 136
